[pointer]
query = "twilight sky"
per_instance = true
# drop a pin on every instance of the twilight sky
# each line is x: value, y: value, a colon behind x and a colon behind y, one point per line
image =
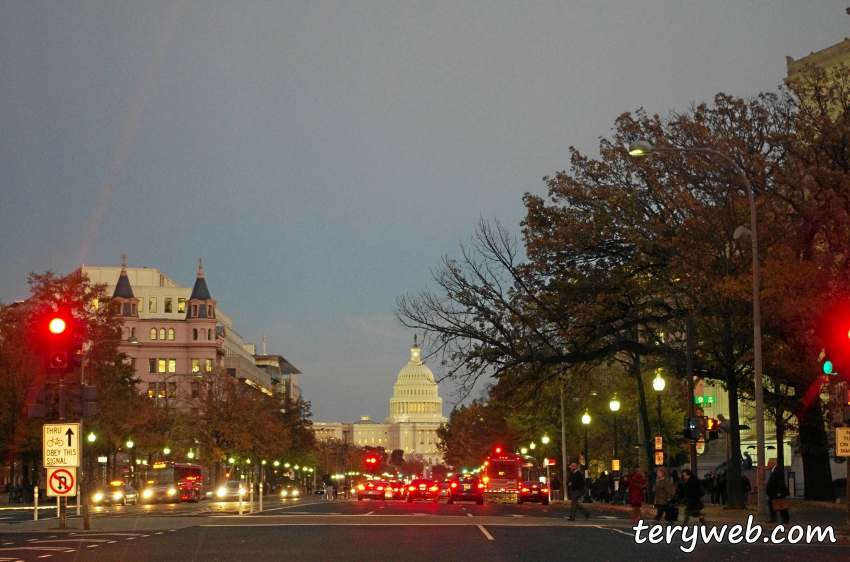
x: 323, y: 156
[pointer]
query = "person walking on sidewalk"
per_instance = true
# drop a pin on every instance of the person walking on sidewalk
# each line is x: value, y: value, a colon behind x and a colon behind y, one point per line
x: 575, y: 487
x: 693, y: 497
x: 637, y: 485
x: 776, y: 490
x: 664, y: 491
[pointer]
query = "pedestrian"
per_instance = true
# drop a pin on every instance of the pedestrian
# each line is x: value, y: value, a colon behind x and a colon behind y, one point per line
x: 664, y: 492
x: 746, y: 486
x: 329, y: 489
x: 714, y: 487
x: 777, y: 493
x: 637, y: 492
x: 555, y: 486
x: 603, y: 485
x: 693, y: 497
x: 722, y: 487
x: 575, y: 486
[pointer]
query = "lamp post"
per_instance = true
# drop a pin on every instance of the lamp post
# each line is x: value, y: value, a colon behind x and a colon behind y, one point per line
x: 614, y: 405
x: 585, y: 420
x: 658, y: 385
x: 643, y: 148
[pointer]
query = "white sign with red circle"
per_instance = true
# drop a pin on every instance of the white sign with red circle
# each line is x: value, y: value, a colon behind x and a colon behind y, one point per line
x: 61, y: 482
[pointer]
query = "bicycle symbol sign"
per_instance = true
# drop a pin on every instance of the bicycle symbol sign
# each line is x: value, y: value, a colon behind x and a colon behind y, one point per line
x: 61, y: 444
x: 61, y: 481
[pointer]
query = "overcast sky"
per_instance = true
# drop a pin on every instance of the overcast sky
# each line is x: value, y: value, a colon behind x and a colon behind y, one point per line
x: 323, y: 156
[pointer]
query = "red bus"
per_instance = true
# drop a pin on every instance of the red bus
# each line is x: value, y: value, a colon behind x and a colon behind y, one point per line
x: 173, y: 482
x: 504, y: 474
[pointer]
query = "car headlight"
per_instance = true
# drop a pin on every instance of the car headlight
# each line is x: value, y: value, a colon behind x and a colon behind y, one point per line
x: 241, y: 491
x: 147, y: 493
x: 171, y: 491
x: 283, y: 493
x: 294, y: 492
x: 117, y: 495
x: 98, y: 496
x: 221, y: 492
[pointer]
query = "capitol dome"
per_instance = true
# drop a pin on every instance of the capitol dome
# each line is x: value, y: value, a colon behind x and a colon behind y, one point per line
x: 415, y: 396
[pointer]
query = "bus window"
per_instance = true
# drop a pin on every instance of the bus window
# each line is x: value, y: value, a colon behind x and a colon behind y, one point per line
x: 500, y: 469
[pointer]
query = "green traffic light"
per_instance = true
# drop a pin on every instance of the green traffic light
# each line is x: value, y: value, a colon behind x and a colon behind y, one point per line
x: 827, y: 368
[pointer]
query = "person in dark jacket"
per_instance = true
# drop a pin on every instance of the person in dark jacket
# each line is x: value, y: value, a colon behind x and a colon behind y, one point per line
x: 693, y: 497
x: 575, y: 487
x: 664, y: 491
x: 776, y: 489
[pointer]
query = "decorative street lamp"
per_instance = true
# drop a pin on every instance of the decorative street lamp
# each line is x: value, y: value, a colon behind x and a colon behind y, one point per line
x: 643, y: 148
x: 545, y: 440
x: 585, y: 419
x: 614, y: 404
x: 658, y: 385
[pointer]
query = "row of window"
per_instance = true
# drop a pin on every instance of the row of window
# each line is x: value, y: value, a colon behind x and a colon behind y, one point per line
x: 168, y: 302
x: 169, y: 334
x: 169, y: 389
x: 170, y: 365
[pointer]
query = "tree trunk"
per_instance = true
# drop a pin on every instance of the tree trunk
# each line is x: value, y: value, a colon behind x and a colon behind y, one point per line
x: 644, y: 423
x: 814, y: 448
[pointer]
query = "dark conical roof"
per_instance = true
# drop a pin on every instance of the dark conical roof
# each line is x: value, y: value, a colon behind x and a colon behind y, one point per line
x: 123, y: 289
x: 200, y: 291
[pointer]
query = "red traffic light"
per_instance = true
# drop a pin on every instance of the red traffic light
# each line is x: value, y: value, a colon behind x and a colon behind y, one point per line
x: 57, y: 325
x: 497, y: 450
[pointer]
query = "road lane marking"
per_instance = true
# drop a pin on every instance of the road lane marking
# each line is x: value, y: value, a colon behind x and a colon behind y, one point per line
x: 93, y: 545
x: 45, y: 556
x: 370, y: 513
x: 469, y: 514
x: 486, y: 534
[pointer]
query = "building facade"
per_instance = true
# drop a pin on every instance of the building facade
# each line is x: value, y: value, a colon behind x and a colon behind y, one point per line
x: 416, y: 412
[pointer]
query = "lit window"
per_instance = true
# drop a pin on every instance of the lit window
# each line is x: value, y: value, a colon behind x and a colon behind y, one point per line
x: 151, y: 365
x: 171, y: 333
x: 152, y: 304
x: 168, y: 305
x: 181, y: 305
x: 172, y: 365
x: 161, y: 389
x: 151, y: 390
x: 153, y: 333
x: 196, y: 365
x: 162, y: 333
x: 161, y: 366
x: 209, y: 365
x: 172, y: 389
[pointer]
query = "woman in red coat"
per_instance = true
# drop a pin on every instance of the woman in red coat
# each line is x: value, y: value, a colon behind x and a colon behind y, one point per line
x: 637, y: 492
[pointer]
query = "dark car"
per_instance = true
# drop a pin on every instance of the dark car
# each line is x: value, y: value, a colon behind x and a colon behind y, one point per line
x: 117, y: 493
x: 534, y: 492
x: 397, y: 487
x: 372, y: 489
x: 466, y: 487
x: 423, y: 489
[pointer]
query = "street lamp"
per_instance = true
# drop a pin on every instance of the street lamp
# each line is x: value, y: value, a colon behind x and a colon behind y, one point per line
x: 614, y: 405
x: 643, y: 148
x: 545, y: 440
x: 658, y: 385
x: 585, y: 419
x: 166, y: 451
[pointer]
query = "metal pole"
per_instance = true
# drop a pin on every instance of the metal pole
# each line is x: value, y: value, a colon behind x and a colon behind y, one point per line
x: 261, y: 497
x: 35, y: 503
x: 563, y: 443
x: 692, y: 446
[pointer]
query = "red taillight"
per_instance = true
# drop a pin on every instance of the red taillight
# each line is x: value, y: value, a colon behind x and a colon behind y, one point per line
x: 434, y: 488
x: 454, y: 484
x: 525, y: 489
x: 380, y: 488
x: 361, y: 487
x: 480, y: 485
x: 412, y: 488
x: 544, y: 490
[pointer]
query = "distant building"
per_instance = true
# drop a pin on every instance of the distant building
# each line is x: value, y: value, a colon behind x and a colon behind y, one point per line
x: 828, y: 58
x: 181, y: 333
x: 416, y: 412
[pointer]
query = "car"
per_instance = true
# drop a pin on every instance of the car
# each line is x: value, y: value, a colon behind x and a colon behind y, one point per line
x: 423, y: 489
x: 232, y: 490
x: 117, y: 492
x: 372, y: 489
x: 397, y: 489
x: 290, y: 491
x: 466, y: 487
x: 444, y: 488
x: 534, y: 492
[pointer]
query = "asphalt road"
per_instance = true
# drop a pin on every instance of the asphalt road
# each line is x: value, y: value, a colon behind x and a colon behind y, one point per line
x: 312, y: 529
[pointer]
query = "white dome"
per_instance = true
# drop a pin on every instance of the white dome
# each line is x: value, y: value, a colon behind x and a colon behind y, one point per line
x: 413, y: 373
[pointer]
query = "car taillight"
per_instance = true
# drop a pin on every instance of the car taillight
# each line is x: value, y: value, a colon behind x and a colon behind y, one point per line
x: 380, y: 488
x: 433, y: 488
x: 412, y: 488
x: 480, y: 485
x: 454, y: 484
x: 525, y: 489
x: 361, y: 487
x: 544, y: 490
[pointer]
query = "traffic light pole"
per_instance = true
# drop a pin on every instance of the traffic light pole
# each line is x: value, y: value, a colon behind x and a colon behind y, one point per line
x: 689, y: 336
x: 63, y: 501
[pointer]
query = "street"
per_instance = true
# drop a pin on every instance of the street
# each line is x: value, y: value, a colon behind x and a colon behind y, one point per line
x: 312, y: 529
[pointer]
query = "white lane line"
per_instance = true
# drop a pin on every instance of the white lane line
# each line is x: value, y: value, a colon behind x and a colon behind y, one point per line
x: 48, y: 548
x: 370, y: 513
x: 469, y: 514
x: 93, y: 545
x: 612, y: 529
x: 112, y: 542
x: 45, y: 556
x: 486, y: 534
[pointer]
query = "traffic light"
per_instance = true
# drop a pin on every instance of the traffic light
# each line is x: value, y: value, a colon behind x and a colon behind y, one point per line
x: 83, y: 400
x: 62, y: 341
x: 371, y: 463
x: 38, y: 402
x: 833, y: 330
x: 692, y: 428
x: 712, y: 429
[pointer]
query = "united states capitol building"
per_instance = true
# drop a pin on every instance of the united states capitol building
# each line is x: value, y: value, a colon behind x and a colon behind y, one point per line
x: 416, y: 412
